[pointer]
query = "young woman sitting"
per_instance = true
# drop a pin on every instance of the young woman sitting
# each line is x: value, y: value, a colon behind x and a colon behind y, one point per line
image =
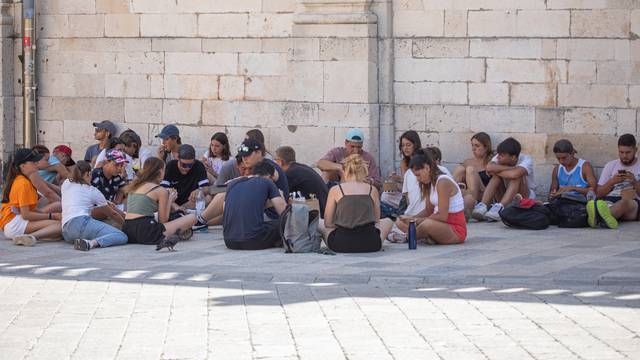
x: 352, y: 211
x: 217, y: 154
x: 472, y: 172
x: 145, y: 198
x: 444, y: 223
x: 391, y: 200
x: 79, y: 199
x: 20, y: 218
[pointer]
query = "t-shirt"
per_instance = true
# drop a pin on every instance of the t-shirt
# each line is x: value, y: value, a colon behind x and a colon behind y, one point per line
x: 244, y: 203
x: 611, y: 169
x: 415, y: 200
x: 185, y: 184
x: 108, y: 187
x: 79, y: 200
x: 22, y: 194
x: 92, y: 151
x: 306, y: 180
x: 138, y: 163
x: 337, y: 155
x: 525, y: 162
x: 128, y: 167
x: 47, y: 175
x: 228, y: 171
x: 215, y: 163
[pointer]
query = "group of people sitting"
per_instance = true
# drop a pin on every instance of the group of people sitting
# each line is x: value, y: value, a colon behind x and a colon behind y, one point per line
x: 123, y: 193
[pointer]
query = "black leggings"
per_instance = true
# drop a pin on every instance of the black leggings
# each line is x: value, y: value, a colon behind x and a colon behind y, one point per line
x: 362, y: 239
x: 269, y: 238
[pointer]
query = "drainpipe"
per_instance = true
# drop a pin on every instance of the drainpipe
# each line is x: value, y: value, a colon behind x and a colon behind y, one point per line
x: 29, y: 125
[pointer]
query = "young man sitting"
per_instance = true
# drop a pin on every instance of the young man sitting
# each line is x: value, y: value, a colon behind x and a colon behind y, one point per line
x: 188, y: 176
x: 104, y: 131
x: 512, y: 174
x: 572, y: 176
x: 246, y: 199
x: 108, y: 179
x: 619, y: 187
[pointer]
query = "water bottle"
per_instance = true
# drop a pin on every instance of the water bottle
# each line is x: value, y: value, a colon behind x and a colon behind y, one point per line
x: 200, y: 206
x: 413, y: 241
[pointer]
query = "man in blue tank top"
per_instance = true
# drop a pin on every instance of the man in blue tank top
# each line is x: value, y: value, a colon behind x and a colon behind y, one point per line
x: 572, y: 176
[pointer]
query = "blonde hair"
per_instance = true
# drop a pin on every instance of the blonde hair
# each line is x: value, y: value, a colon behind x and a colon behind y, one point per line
x: 356, y: 166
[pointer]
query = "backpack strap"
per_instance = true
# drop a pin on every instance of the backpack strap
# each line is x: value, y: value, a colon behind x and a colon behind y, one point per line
x: 284, y: 217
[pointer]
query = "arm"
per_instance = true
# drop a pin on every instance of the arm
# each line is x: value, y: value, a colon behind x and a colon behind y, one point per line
x: 494, y: 168
x: 43, y: 187
x: 553, y: 188
x: 165, y: 201
x: 512, y: 173
x: 326, y: 165
x: 606, y: 188
x: 279, y: 204
x: 375, y: 195
x: 35, y: 215
x: 60, y: 169
x: 443, y: 188
x: 330, y: 208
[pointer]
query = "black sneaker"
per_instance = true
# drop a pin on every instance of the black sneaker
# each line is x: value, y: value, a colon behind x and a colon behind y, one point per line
x: 82, y: 244
x: 199, y: 226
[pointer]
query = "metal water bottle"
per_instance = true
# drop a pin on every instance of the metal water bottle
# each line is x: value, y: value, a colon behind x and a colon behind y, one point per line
x: 412, y: 240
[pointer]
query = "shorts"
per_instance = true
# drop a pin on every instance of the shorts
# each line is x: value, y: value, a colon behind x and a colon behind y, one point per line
x: 614, y: 199
x: 484, y: 177
x: 16, y: 227
x: 144, y: 230
x: 362, y: 239
x: 458, y: 224
x: 269, y: 238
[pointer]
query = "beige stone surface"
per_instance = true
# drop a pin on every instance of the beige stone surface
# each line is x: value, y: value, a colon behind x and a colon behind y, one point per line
x: 122, y: 25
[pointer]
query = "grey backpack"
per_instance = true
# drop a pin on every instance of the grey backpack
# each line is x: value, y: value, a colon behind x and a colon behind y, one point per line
x: 299, y: 229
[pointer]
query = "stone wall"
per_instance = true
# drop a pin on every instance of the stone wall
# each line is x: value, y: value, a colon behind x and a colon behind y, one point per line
x: 307, y: 70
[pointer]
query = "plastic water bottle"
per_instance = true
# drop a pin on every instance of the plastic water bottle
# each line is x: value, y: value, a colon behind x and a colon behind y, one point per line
x: 200, y: 206
x: 413, y: 241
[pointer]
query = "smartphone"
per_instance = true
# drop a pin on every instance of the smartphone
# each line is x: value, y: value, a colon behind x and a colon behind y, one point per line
x: 622, y: 172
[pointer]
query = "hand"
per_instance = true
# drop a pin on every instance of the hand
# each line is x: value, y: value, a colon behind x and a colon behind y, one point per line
x: 554, y: 194
x: 630, y: 177
x: 193, y: 195
x: 173, y: 194
x: 56, y: 216
x: 161, y: 149
x: 618, y: 178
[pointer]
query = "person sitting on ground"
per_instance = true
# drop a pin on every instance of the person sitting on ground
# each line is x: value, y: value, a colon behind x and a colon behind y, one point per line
x: 391, y: 200
x: 171, y: 141
x: 619, y: 187
x: 216, y: 155
x: 79, y: 199
x: 302, y: 178
x: 104, y: 131
x: 444, y: 223
x: 257, y: 135
x: 64, y: 155
x: 331, y: 163
x: 353, y: 211
x: 572, y: 176
x: 50, y: 168
x: 108, y: 179
x: 20, y: 218
x: 472, y: 172
x: 188, y: 176
x: 244, y: 225
x: 511, y: 174
x: 50, y: 192
x: 131, y: 145
x: 145, y: 197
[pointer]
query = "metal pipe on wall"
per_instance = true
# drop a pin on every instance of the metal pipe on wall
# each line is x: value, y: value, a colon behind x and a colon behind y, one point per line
x: 29, y: 87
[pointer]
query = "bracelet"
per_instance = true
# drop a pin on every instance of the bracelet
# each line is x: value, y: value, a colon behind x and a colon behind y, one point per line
x: 49, y: 216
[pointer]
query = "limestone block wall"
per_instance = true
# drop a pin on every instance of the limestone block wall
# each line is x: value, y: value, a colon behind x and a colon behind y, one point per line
x: 533, y: 69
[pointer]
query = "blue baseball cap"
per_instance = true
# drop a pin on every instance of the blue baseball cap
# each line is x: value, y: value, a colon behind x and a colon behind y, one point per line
x: 168, y: 131
x: 355, y: 135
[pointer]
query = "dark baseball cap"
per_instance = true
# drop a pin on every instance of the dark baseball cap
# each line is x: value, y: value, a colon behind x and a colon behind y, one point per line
x: 249, y: 146
x: 168, y: 131
x: 186, y: 152
x: 24, y: 155
x: 106, y: 125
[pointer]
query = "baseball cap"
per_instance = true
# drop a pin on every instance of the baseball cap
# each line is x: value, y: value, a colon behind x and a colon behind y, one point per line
x: 248, y: 146
x: 355, y: 135
x: 167, y: 131
x: 63, y: 149
x: 24, y: 155
x: 106, y: 125
x: 117, y: 156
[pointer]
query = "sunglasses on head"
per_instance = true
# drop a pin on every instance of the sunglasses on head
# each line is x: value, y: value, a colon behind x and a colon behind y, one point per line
x: 185, y: 165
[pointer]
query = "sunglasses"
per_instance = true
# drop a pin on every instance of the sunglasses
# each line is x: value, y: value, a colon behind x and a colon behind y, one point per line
x: 185, y: 165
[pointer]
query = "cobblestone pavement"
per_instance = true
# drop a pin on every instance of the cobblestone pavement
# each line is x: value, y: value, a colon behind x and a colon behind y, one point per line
x: 505, y: 294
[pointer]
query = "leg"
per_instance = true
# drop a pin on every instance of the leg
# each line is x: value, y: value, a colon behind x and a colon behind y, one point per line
x: 181, y: 223
x: 515, y: 186
x: 492, y: 190
x: 45, y: 229
x: 438, y: 231
x: 385, y: 228
x: 474, y: 183
x: 213, y: 212
x: 459, y: 174
x: 625, y: 210
x: 104, y: 234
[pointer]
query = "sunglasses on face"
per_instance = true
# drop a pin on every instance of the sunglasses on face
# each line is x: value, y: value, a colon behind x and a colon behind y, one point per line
x: 186, y: 165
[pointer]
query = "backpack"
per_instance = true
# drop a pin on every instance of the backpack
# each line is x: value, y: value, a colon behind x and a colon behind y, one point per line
x: 568, y: 212
x: 537, y: 217
x: 299, y: 229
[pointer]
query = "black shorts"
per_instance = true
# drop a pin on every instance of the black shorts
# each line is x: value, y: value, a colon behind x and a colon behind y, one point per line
x: 615, y: 199
x: 269, y: 238
x: 362, y: 239
x: 484, y: 177
x: 145, y: 230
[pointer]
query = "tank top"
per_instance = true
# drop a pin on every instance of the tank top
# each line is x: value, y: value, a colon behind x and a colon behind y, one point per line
x: 354, y: 210
x: 142, y: 204
x: 456, y: 202
x: 573, y: 177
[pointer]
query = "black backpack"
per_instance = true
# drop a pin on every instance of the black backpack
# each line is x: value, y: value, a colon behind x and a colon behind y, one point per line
x: 537, y: 217
x: 567, y: 212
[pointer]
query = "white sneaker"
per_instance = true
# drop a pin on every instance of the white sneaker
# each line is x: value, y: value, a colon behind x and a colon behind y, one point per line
x: 494, y: 213
x: 25, y: 240
x: 479, y: 211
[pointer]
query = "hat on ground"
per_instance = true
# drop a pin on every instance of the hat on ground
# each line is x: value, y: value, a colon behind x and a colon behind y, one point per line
x: 117, y: 156
x: 106, y: 125
x: 63, y: 149
x: 24, y: 155
x: 355, y: 135
x: 249, y: 146
x: 168, y: 131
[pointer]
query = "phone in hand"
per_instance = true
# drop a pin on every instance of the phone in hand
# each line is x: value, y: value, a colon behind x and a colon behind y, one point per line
x: 622, y: 172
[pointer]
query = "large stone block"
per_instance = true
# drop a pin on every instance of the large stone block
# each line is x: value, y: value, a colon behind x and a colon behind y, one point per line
x: 635, y: 23
x: 122, y: 25
x: 191, y: 87
x: 348, y: 49
x: 267, y: 88
x: 81, y: 85
x: 220, y: 113
x: 305, y: 81
x: 127, y: 86
x: 270, y: 25
x: 484, y: 4
x: 532, y: 71
x: 218, y: 6
x: 413, y: 23
x: 448, y: 119
x: 597, y: 149
x: 634, y: 96
x: 201, y: 63
x: 600, y: 23
x: 78, y: 62
x: 592, y: 95
x: 502, y: 119
x: 85, y: 26
x: 403, y: 48
x: 181, y: 111
x: 310, y: 143
x: 362, y: 86
x: 590, y: 121
x: 626, y: 121
x: 356, y: 115
x: 455, y: 147
x: 51, y: 131
x: 86, y: 109
x: 431, y: 93
x: 263, y: 64
x: 577, y: 4
x: 439, y: 70
x: 168, y: 25
x: 542, y: 95
x: 178, y: 45
x: 582, y: 72
x: 277, y: 6
x: 140, y: 63
x: 543, y: 23
x: 455, y: 23
x: 64, y: 7
x: 113, y: 6
x: 231, y: 87
x: 103, y: 45
x: 75, y: 130
x: 586, y: 49
x: 154, y: 6
x: 549, y: 121
x: 143, y: 111
x: 411, y: 117
x: 440, y: 48
x: 309, y: 114
x: 492, y: 23
x: 223, y: 25
x: 619, y: 72
x: 488, y: 94
x: 301, y: 49
x: 506, y: 48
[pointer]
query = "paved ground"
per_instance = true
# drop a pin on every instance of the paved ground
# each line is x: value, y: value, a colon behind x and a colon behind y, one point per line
x: 505, y: 294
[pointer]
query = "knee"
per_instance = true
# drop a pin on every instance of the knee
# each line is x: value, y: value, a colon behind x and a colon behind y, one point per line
x: 470, y: 170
